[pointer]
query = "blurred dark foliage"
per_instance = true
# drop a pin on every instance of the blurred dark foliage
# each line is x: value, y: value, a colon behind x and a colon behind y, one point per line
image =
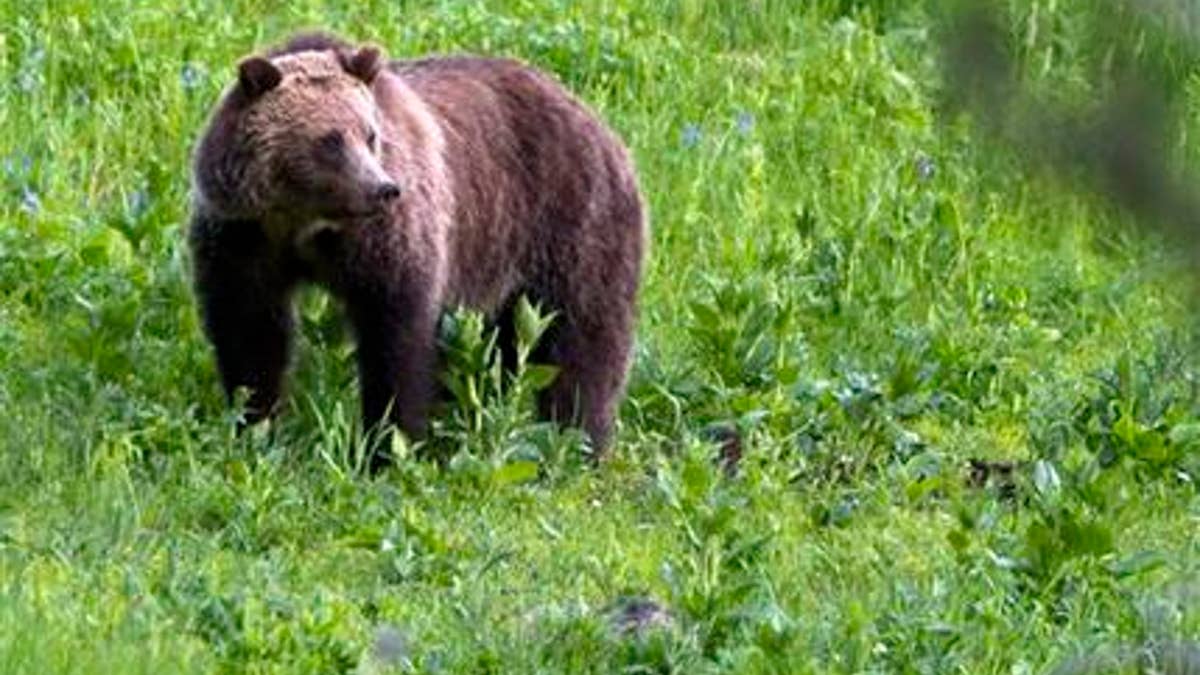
x: 1119, y: 137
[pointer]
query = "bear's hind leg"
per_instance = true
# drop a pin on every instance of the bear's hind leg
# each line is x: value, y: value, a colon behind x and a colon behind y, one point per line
x: 592, y: 358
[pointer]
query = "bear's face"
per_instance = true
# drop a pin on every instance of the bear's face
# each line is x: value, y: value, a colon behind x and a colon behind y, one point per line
x: 307, y: 144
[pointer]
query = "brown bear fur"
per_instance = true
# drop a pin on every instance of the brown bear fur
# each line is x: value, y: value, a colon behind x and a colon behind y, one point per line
x: 406, y: 187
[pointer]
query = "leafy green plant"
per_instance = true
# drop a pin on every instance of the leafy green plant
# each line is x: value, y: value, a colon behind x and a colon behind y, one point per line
x: 1144, y: 413
x: 720, y: 584
x: 490, y: 433
x: 745, y: 335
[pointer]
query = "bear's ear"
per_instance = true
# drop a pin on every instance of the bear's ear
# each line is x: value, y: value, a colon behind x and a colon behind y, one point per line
x: 257, y: 76
x: 364, y: 64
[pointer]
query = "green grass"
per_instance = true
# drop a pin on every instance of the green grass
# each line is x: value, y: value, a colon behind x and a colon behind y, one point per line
x: 842, y: 273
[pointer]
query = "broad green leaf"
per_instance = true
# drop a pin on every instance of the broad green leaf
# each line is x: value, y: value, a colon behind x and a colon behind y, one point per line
x: 539, y: 376
x: 515, y: 473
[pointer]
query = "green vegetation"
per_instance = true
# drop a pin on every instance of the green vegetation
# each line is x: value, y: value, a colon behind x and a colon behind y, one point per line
x: 838, y: 271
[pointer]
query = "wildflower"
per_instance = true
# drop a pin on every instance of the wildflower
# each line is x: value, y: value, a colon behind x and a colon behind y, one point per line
x: 27, y: 81
x: 926, y: 169
x: 29, y: 201
x: 14, y: 170
x: 190, y: 75
x: 745, y: 122
x: 138, y: 202
x: 691, y: 135
x: 29, y: 76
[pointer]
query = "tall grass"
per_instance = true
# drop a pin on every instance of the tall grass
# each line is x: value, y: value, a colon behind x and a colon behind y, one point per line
x: 838, y: 273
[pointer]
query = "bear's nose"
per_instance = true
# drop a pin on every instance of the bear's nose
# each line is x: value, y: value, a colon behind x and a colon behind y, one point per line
x: 387, y: 192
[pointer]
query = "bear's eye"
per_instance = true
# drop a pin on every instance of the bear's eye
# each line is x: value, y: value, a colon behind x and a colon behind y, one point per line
x: 372, y: 139
x: 330, y: 145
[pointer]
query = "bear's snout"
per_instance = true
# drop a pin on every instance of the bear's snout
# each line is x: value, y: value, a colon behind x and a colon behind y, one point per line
x: 387, y: 192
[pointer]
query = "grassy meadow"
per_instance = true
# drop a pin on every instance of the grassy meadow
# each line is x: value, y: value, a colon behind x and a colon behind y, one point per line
x: 966, y: 392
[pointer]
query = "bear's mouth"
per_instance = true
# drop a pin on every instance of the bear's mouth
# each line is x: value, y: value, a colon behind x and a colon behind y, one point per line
x: 348, y: 215
x: 315, y: 228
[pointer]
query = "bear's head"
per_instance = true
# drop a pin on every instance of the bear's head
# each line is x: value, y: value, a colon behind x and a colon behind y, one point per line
x: 298, y: 138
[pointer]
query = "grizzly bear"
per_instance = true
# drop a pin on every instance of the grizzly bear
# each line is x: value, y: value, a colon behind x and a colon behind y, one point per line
x: 406, y: 187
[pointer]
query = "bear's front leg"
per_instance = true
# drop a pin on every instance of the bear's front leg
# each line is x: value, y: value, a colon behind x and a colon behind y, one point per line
x: 395, y: 324
x: 246, y: 310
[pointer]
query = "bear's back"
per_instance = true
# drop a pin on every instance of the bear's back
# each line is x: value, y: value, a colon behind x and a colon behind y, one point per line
x: 528, y: 163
